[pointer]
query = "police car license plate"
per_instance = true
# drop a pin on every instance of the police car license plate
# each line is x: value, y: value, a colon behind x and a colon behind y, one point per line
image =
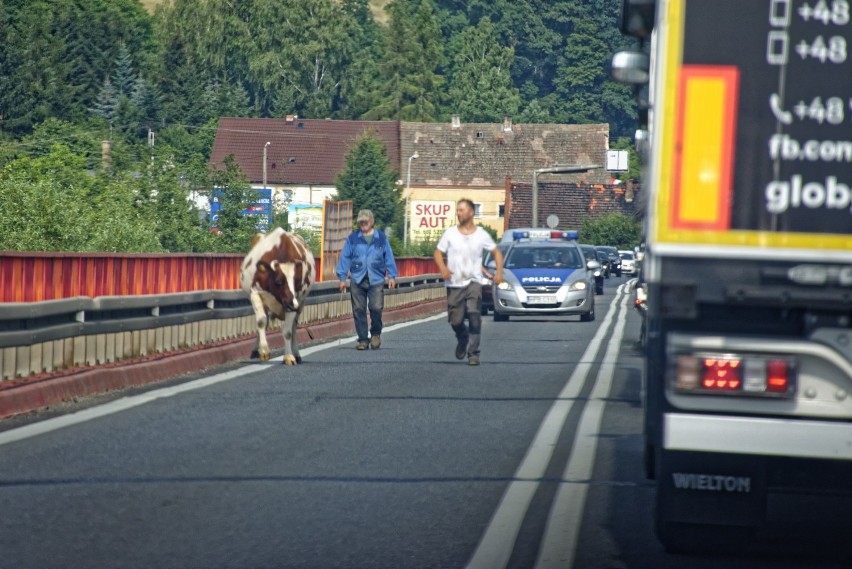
x: 542, y: 299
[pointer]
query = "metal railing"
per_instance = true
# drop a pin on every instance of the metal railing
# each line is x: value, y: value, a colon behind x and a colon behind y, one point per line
x: 54, y: 335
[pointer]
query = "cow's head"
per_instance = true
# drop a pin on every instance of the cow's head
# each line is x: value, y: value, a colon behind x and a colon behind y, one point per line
x: 279, y: 280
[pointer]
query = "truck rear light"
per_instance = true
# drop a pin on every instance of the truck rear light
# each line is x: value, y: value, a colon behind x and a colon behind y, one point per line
x: 687, y: 372
x: 776, y: 380
x: 734, y: 374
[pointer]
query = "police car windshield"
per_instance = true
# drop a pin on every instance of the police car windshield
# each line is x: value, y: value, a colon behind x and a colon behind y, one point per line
x: 544, y: 258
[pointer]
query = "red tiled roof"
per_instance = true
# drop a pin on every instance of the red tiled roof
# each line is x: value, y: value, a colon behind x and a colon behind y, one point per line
x: 302, y: 151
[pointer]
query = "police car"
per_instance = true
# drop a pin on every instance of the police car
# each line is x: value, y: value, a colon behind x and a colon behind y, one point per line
x: 544, y: 272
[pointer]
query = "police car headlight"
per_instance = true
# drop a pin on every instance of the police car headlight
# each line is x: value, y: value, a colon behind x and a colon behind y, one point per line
x: 578, y: 285
x: 504, y: 286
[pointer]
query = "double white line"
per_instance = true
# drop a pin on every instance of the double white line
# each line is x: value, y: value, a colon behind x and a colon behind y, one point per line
x: 559, y: 543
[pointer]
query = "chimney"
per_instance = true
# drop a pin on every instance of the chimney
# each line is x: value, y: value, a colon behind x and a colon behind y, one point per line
x: 456, y: 122
x: 507, y: 123
x: 105, y: 154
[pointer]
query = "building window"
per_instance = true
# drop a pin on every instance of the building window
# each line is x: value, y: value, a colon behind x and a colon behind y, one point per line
x: 477, y: 210
x: 501, y: 210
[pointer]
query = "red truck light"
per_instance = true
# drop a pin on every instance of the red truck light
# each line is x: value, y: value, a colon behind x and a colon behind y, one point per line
x: 734, y: 374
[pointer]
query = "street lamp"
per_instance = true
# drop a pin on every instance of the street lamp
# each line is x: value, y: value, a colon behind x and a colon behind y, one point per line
x: 265, y: 146
x: 564, y: 169
x: 407, y: 192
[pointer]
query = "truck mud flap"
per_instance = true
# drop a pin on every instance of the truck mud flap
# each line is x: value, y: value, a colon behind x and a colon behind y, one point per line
x: 709, y: 488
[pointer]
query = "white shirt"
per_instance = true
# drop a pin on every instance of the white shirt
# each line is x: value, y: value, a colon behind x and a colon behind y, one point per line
x: 464, y: 255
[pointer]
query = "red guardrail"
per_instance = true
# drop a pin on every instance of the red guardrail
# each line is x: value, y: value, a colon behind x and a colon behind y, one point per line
x: 34, y: 277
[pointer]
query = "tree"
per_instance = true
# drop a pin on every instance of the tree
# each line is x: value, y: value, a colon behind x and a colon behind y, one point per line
x: 481, y: 89
x: 413, y: 54
x: 368, y: 180
x: 230, y: 187
x: 614, y: 229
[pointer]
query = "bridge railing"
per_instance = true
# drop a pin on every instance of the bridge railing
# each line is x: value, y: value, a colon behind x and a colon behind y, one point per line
x: 63, y: 334
x: 34, y: 277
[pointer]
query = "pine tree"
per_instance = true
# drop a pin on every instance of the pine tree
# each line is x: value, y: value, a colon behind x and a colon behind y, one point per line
x: 107, y: 103
x: 368, y: 180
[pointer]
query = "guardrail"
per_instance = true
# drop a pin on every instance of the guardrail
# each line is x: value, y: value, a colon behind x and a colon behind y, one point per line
x: 55, y: 335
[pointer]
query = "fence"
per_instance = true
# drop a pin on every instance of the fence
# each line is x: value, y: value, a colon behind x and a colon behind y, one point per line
x: 35, y: 277
x: 55, y: 335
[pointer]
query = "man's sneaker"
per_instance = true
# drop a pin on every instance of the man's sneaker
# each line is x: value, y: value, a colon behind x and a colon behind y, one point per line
x: 361, y: 346
x: 461, y: 348
x: 376, y: 342
x: 473, y: 361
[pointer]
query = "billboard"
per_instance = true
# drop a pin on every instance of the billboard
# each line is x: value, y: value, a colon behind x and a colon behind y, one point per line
x: 429, y: 219
x: 260, y: 209
x: 305, y: 216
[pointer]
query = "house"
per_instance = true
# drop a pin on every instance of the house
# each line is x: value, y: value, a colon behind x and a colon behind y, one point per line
x: 455, y: 160
x: 303, y: 156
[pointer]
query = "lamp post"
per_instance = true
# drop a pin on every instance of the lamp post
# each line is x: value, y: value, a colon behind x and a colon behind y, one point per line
x: 265, y: 146
x: 564, y: 169
x: 407, y: 192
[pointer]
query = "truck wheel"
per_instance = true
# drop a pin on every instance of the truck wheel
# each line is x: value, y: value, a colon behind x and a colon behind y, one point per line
x: 500, y: 317
x: 649, y: 458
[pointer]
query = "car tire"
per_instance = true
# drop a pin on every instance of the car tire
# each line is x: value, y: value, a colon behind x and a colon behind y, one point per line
x: 500, y: 317
x: 588, y: 316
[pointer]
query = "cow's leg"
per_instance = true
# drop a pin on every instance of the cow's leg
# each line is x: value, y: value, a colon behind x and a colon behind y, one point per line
x: 261, y: 318
x: 288, y: 329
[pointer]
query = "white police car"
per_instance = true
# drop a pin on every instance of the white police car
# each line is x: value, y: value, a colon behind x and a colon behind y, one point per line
x: 544, y: 273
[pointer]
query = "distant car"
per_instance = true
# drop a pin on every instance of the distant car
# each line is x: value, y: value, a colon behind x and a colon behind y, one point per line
x: 598, y: 272
x: 614, y: 258
x: 628, y: 262
x: 605, y: 262
x: 544, y: 273
x: 487, y: 296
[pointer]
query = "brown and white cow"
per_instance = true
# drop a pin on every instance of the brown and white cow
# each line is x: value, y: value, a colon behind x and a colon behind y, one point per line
x: 277, y: 274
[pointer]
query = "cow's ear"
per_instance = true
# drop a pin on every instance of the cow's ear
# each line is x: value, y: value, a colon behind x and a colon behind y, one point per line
x: 263, y: 266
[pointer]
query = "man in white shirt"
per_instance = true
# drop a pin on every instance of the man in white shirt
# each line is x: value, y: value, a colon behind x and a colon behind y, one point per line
x: 464, y: 245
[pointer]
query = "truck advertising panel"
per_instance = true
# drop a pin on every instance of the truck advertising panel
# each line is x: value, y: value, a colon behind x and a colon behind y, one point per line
x: 755, y: 137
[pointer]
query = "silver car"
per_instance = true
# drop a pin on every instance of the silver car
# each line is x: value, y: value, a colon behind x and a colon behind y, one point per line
x: 545, y: 277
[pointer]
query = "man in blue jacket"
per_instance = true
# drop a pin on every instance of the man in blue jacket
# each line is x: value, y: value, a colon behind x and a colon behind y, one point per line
x: 366, y: 258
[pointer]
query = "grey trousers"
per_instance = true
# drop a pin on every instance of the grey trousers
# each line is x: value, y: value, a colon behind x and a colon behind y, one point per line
x: 466, y: 302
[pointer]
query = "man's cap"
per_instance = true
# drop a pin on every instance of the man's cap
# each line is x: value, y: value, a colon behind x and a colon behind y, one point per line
x: 365, y: 215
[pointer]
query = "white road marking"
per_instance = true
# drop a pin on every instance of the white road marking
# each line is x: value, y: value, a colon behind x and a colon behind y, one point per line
x: 559, y: 544
x: 497, y: 543
x: 126, y: 403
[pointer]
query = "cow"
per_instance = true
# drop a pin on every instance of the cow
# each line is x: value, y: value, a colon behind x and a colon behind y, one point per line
x: 277, y: 274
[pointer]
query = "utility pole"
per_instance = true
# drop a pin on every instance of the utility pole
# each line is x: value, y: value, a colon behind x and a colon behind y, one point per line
x: 265, y: 146
x: 407, y: 192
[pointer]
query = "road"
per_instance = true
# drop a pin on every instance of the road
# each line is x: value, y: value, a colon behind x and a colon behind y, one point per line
x: 401, y: 457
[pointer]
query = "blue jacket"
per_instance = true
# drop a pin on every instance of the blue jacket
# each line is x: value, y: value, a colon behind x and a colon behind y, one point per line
x: 360, y: 259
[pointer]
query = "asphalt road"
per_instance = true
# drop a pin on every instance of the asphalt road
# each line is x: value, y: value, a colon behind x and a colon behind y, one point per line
x: 401, y: 457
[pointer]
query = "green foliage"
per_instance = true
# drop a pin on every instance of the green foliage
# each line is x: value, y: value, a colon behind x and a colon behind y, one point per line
x: 313, y: 239
x: 614, y: 229
x: 481, y: 89
x: 234, y: 230
x: 368, y: 180
x: 634, y: 171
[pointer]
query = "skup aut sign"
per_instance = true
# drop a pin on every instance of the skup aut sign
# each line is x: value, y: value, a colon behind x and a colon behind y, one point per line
x: 429, y: 219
